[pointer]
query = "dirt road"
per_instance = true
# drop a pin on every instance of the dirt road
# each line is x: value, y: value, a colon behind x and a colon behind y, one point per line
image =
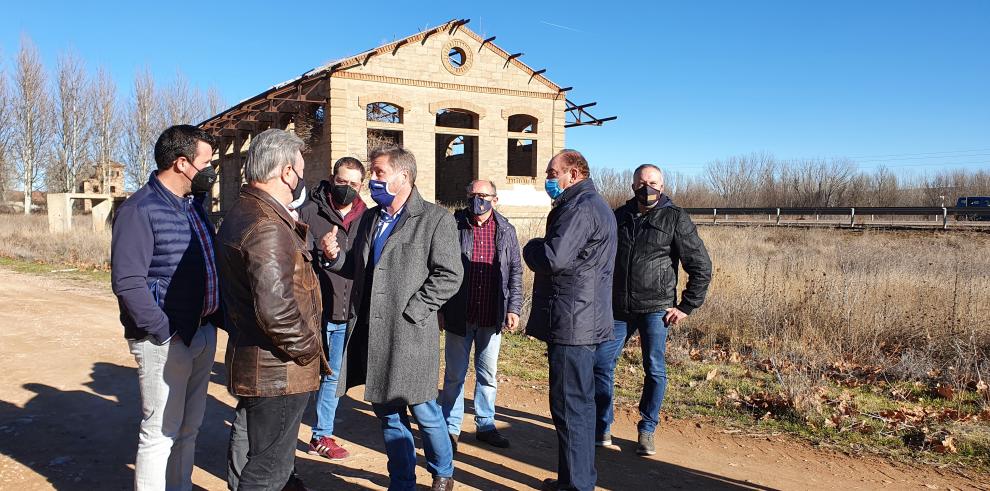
x: 69, y: 415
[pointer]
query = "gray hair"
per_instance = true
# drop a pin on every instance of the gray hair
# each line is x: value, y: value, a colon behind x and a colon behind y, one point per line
x: 399, y: 158
x: 643, y: 167
x: 490, y: 183
x: 269, y: 151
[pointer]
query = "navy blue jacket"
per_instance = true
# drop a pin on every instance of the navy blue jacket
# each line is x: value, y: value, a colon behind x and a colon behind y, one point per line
x: 509, y: 269
x: 158, y: 272
x: 572, y: 290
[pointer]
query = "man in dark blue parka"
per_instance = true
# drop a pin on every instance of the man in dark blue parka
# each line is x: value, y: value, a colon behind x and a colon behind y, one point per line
x: 572, y: 308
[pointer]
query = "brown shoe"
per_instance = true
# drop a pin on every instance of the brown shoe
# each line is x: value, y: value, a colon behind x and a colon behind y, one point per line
x: 443, y: 483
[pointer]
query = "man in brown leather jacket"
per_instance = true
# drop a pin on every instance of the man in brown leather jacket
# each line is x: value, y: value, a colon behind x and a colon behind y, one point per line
x: 272, y: 297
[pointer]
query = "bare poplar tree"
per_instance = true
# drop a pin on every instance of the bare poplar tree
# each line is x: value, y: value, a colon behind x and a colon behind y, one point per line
x: 182, y: 104
x: 6, y: 164
x: 214, y: 103
x: 142, y: 128
x: 72, y: 124
x: 106, y: 125
x: 30, y: 129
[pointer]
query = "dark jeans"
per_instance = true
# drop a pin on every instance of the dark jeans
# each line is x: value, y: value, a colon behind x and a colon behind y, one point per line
x: 572, y: 406
x: 272, y: 431
x: 653, y: 340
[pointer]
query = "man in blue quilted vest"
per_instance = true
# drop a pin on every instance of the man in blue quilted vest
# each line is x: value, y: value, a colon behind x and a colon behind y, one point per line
x: 164, y: 275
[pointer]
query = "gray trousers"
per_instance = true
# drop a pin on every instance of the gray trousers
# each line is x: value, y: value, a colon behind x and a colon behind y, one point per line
x: 173, y: 379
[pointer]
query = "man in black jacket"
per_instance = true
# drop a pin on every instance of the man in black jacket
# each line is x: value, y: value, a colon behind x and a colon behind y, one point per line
x: 489, y: 301
x: 333, y: 206
x: 572, y: 309
x: 654, y: 237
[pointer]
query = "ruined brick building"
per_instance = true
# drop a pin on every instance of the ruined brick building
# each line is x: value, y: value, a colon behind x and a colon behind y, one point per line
x: 466, y: 108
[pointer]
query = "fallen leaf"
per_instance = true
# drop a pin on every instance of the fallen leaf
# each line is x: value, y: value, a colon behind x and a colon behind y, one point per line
x: 712, y: 374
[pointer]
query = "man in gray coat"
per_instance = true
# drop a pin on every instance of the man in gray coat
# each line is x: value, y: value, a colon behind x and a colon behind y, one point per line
x: 406, y: 263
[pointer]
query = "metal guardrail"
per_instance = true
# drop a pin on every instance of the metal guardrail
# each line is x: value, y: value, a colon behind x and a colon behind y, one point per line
x: 944, y: 212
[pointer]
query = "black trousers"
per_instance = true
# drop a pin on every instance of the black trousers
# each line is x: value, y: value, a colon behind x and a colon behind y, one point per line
x: 572, y: 407
x: 272, y: 432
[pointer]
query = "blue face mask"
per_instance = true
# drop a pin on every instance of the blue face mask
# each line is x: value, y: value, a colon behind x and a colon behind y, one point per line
x: 480, y: 206
x: 380, y: 193
x: 553, y: 188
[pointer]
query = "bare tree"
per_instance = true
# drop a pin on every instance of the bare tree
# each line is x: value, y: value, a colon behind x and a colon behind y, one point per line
x: 72, y: 124
x: 106, y: 125
x: 214, y: 102
x: 30, y: 105
x: 182, y: 104
x: 6, y: 171
x: 142, y: 128
x: 883, y: 187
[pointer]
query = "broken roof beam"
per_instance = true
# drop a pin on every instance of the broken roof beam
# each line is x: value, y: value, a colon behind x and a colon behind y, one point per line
x: 399, y: 44
x: 458, y: 24
x: 485, y: 41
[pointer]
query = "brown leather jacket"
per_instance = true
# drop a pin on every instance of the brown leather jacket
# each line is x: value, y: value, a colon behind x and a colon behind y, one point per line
x: 272, y: 299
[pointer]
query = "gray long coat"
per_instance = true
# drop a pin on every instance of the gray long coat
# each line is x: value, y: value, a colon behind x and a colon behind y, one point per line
x: 394, y: 347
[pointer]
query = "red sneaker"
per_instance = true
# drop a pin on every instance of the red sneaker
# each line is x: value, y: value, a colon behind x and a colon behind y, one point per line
x: 327, y: 447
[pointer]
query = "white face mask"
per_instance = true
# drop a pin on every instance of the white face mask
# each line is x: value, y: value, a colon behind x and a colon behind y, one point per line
x: 295, y: 204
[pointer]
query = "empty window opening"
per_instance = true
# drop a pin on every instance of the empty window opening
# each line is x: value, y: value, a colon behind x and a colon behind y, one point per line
x: 383, y: 112
x: 457, y: 118
x: 522, y: 158
x: 522, y: 123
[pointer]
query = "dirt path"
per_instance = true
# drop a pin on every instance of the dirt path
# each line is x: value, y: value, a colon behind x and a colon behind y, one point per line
x: 69, y: 416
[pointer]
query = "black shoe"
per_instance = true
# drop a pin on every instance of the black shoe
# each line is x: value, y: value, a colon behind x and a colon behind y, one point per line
x: 645, y: 446
x: 443, y: 483
x: 549, y: 484
x: 493, y: 438
x: 453, y: 442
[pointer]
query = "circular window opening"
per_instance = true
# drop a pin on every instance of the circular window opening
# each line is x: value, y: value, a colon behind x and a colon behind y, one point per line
x: 457, y: 57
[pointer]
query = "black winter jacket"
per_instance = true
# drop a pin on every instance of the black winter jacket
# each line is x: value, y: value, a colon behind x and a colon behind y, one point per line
x: 572, y: 299
x: 646, y: 263
x: 321, y: 217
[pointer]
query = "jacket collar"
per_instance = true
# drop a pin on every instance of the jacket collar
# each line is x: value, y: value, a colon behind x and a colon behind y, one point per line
x: 179, y: 204
x: 583, y: 187
x: 269, y: 201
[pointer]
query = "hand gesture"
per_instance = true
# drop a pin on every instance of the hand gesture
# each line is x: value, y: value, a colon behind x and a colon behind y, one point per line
x: 329, y: 244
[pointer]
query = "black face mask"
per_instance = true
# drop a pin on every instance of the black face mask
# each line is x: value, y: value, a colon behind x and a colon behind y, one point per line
x: 300, y: 186
x: 342, y: 194
x: 647, y: 196
x: 203, y: 181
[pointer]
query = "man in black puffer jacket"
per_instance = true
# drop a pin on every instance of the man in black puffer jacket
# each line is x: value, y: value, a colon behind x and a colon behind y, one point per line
x: 572, y: 309
x: 654, y: 238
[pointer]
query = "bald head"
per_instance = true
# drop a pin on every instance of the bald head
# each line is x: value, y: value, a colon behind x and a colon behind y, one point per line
x: 647, y: 175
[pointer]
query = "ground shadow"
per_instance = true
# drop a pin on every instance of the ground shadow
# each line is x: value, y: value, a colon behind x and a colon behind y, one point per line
x: 77, y: 439
x: 534, y: 443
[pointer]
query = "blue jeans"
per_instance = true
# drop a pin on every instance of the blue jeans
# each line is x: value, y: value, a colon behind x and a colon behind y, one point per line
x: 653, y: 338
x: 401, y: 448
x: 326, y: 397
x: 572, y: 406
x: 457, y: 351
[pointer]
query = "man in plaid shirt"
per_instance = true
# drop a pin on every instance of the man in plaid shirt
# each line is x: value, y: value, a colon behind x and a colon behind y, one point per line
x: 488, y: 302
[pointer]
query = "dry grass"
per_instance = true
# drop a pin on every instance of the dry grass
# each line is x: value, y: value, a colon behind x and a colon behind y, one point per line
x: 26, y: 238
x: 915, y: 304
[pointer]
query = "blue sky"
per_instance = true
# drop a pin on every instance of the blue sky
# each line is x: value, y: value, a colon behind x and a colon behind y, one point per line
x: 901, y: 83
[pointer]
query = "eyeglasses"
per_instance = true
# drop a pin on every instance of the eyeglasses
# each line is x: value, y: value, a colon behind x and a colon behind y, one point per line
x: 481, y: 195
